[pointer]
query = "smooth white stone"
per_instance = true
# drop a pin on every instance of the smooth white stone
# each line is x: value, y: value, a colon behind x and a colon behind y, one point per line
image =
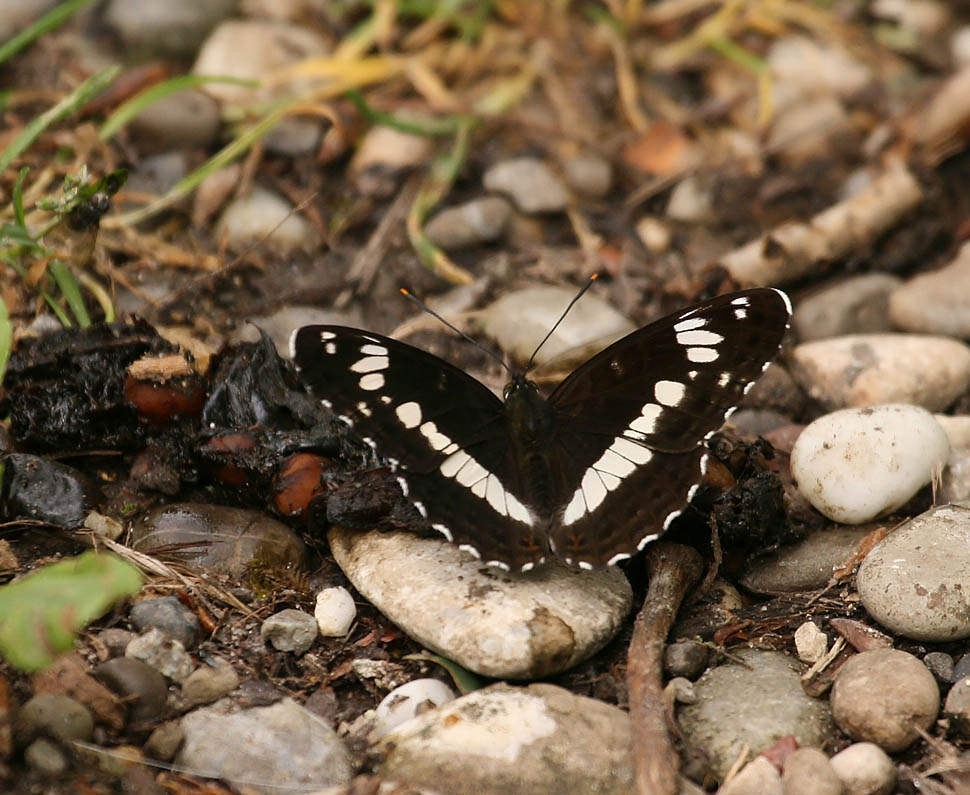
x: 503, y: 625
x: 403, y: 703
x: 856, y: 464
x: 865, y: 768
x: 335, y: 612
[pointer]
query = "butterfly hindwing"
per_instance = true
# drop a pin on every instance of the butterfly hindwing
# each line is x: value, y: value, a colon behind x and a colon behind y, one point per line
x: 443, y: 432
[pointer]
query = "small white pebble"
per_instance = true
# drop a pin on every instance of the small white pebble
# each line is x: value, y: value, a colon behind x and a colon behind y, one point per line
x: 335, y: 611
x: 810, y: 642
x: 865, y: 768
x: 405, y: 702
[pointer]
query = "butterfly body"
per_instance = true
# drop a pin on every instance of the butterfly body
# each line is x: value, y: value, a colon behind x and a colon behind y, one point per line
x: 588, y: 475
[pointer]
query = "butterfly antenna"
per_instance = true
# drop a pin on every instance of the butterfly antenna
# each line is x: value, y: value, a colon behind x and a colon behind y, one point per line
x: 589, y: 283
x: 458, y: 331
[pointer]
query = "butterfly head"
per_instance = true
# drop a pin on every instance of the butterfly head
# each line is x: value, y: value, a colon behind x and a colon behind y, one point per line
x: 525, y: 407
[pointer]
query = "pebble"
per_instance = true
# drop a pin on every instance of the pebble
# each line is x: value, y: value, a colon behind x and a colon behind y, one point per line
x: 335, y: 612
x: 691, y: 201
x: 882, y: 696
x: 116, y: 640
x: 937, y: 302
x: 517, y: 626
x: 807, y: 564
x: 521, y: 318
x: 290, y: 630
x: 810, y: 129
x: 185, y: 119
x: 209, y: 682
x: 957, y: 706
x: 158, y: 173
x: 252, y: 49
x: 959, y: 46
x: 263, y: 218
x: 294, y: 136
x: 141, y: 687
x: 914, y: 582
x: 478, y: 221
x: 810, y: 642
x: 218, y: 538
x: 68, y: 675
x: 654, y: 233
x: 164, y: 654
x: 49, y: 491
x: 808, y: 771
x: 407, y: 701
x: 281, y: 747
x: 281, y: 324
x: 856, y: 305
x: 805, y: 66
x: 45, y: 757
x: 504, y: 739
x: 168, y: 614
x: 962, y: 667
x: 730, y: 711
x: 940, y: 664
x: 173, y: 29
x: 869, y: 369
x: 777, y: 390
x: 18, y: 14
x: 856, y: 464
x: 865, y: 769
x: 686, y: 658
x: 384, y: 156
x: 589, y: 175
x: 758, y: 777
x: 530, y: 184
x: 957, y: 427
x: 164, y: 741
x: 55, y: 716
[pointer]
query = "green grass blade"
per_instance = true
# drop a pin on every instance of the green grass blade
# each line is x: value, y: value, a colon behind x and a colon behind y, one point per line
x: 6, y: 338
x: 70, y: 290
x: 128, y: 110
x: 45, y: 24
x: 89, y: 89
x: 18, y: 197
x: 55, y: 307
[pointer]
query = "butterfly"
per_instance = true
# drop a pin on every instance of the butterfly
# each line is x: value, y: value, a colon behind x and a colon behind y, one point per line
x: 590, y: 474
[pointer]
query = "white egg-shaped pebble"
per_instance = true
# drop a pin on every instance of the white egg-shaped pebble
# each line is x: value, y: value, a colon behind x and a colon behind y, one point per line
x: 402, y: 703
x: 335, y: 611
x: 856, y: 464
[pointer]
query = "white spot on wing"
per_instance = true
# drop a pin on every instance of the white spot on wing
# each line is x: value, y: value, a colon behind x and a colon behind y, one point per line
x: 363, y: 409
x: 374, y: 350
x: 420, y: 508
x: 740, y: 314
x: 724, y: 379
x: 404, y: 486
x: 444, y: 530
x: 632, y: 451
x: 669, y: 393
x: 453, y: 463
x: 370, y: 364
x: 371, y: 381
x: 612, y: 463
x: 647, y: 421
x: 409, y: 414
x: 690, y: 324
x: 330, y: 347
x: 470, y: 550
x: 327, y: 335
x: 386, y: 400
x: 702, y: 354
x: 698, y: 337
x: 742, y: 301
x: 436, y: 438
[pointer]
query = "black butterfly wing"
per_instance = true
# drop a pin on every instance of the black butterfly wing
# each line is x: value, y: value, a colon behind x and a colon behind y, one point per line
x: 445, y: 434
x: 631, y: 421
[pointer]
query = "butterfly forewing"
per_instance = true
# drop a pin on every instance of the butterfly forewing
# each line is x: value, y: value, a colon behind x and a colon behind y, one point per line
x: 637, y: 413
x: 444, y: 433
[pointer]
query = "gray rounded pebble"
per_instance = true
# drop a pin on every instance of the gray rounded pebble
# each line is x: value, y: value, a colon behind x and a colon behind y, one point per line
x: 477, y: 221
x: 937, y: 302
x: 45, y: 757
x: 116, y: 640
x: 188, y: 118
x: 174, y: 28
x: 758, y: 777
x: 940, y: 664
x: 856, y: 305
x: 529, y: 183
x: 865, y: 769
x: 279, y: 748
x: 686, y: 658
x: 915, y: 580
x: 210, y: 682
x: 165, y: 655
x: 808, y: 771
x: 56, y: 716
x: 754, y: 702
x: 805, y: 565
x: 589, y: 175
x: 142, y: 687
x: 168, y: 614
x: 962, y: 667
x: 290, y: 630
x: 882, y: 695
x: 164, y: 741
x: 957, y: 706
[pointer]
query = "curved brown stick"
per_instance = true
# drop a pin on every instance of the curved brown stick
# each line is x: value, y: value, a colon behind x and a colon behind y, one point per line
x: 673, y: 569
